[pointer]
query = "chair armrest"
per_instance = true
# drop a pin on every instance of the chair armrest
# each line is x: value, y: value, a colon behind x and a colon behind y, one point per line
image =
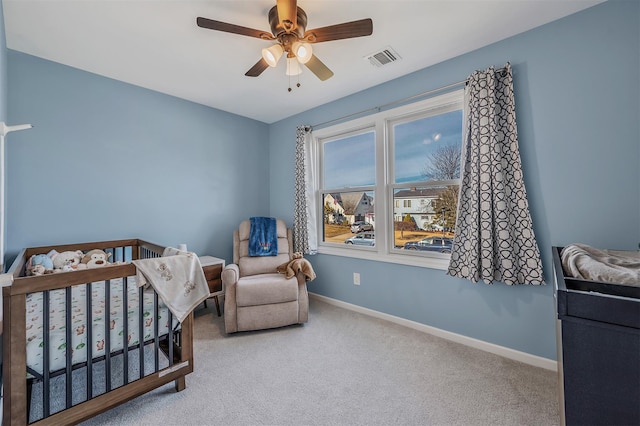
x: 301, y: 278
x: 230, y: 275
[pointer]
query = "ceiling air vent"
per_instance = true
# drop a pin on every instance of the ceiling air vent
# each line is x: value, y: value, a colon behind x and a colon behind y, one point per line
x: 383, y: 57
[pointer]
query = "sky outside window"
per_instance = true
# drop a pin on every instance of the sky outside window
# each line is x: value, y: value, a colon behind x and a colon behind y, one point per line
x: 350, y: 161
x: 416, y: 140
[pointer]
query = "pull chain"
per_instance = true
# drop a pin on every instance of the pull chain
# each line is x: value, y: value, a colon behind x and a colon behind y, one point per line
x: 297, y: 84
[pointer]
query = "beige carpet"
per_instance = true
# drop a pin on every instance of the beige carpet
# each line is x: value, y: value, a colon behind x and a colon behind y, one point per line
x: 343, y: 368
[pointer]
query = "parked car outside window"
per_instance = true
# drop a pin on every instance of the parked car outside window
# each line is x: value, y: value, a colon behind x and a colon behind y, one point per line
x: 442, y: 245
x: 362, y: 239
x: 360, y: 226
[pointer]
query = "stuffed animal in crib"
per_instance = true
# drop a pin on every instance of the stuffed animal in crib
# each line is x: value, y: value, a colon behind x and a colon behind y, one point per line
x: 39, y: 264
x: 95, y: 258
x: 66, y: 261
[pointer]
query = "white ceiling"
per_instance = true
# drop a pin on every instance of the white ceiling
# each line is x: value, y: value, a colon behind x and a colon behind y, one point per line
x: 157, y: 45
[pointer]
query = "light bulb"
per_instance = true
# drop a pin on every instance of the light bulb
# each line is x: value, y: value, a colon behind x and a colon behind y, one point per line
x: 272, y: 54
x: 303, y: 51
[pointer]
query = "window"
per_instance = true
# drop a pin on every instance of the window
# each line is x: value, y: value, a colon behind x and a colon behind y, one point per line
x: 396, y: 173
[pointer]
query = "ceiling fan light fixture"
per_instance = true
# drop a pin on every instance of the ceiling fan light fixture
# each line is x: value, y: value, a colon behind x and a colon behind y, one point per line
x: 303, y: 51
x: 293, y: 68
x: 272, y: 54
x: 290, y: 35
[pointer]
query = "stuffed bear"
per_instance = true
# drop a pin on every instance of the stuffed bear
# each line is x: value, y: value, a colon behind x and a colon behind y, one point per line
x: 66, y: 260
x: 95, y: 258
x: 39, y: 264
x: 295, y: 265
x: 36, y: 270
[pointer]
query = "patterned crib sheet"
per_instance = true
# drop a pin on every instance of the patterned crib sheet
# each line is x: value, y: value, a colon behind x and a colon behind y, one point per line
x: 80, y: 346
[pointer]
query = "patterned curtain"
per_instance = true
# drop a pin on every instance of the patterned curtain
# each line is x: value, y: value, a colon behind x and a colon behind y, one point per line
x: 305, y: 238
x: 494, y: 238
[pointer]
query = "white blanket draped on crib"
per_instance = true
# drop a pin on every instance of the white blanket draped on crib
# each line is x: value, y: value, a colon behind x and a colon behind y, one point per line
x: 178, y: 279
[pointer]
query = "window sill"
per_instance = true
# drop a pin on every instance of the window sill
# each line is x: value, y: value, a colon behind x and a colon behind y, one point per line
x: 441, y: 262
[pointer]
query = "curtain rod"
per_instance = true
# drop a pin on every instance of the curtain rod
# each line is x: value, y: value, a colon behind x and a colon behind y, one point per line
x: 399, y: 101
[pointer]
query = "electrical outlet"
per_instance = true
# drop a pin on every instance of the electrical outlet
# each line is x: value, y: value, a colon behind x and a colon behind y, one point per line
x: 356, y: 278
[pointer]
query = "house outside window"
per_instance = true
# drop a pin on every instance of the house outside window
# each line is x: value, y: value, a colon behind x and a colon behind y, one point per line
x: 401, y: 167
x: 425, y: 199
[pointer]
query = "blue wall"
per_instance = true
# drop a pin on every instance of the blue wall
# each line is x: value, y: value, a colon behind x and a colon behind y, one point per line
x: 3, y: 69
x: 108, y: 160
x: 577, y: 91
x: 3, y: 108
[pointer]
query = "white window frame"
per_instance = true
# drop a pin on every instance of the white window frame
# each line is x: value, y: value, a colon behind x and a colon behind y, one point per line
x: 381, y: 124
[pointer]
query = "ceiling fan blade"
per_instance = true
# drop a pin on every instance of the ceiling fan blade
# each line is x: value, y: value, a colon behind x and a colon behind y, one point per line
x: 363, y: 27
x: 317, y: 67
x: 287, y: 14
x: 257, y: 69
x: 231, y: 28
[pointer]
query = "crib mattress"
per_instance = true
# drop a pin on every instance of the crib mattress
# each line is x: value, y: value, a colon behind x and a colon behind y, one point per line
x: 80, y: 345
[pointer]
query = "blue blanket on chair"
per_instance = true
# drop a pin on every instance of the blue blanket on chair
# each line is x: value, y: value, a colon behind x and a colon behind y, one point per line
x: 263, y: 237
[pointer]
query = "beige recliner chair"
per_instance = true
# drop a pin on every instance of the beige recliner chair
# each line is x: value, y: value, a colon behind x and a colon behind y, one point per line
x: 256, y: 296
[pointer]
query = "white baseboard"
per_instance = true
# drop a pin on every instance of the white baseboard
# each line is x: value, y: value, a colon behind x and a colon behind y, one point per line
x: 536, y: 361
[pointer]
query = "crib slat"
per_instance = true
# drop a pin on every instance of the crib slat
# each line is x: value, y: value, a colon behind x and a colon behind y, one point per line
x: 46, y: 352
x: 107, y: 335
x: 141, y: 330
x: 170, y: 337
x: 125, y: 330
x: 89, y: 346
x: 69, y: 347
x: 156, y: 339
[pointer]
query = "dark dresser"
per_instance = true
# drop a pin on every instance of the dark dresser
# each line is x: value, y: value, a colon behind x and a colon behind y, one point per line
x: 598, y: 343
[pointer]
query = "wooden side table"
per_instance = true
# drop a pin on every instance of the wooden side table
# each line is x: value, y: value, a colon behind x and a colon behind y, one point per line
x: 212, y: 268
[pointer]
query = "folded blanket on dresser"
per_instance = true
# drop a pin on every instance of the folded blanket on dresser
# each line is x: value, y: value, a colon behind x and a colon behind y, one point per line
x: 263, y: 237
x: 611, y: 266
x: 178, y: 279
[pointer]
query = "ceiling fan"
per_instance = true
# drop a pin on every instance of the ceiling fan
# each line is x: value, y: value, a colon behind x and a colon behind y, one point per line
x: 288, y: 30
